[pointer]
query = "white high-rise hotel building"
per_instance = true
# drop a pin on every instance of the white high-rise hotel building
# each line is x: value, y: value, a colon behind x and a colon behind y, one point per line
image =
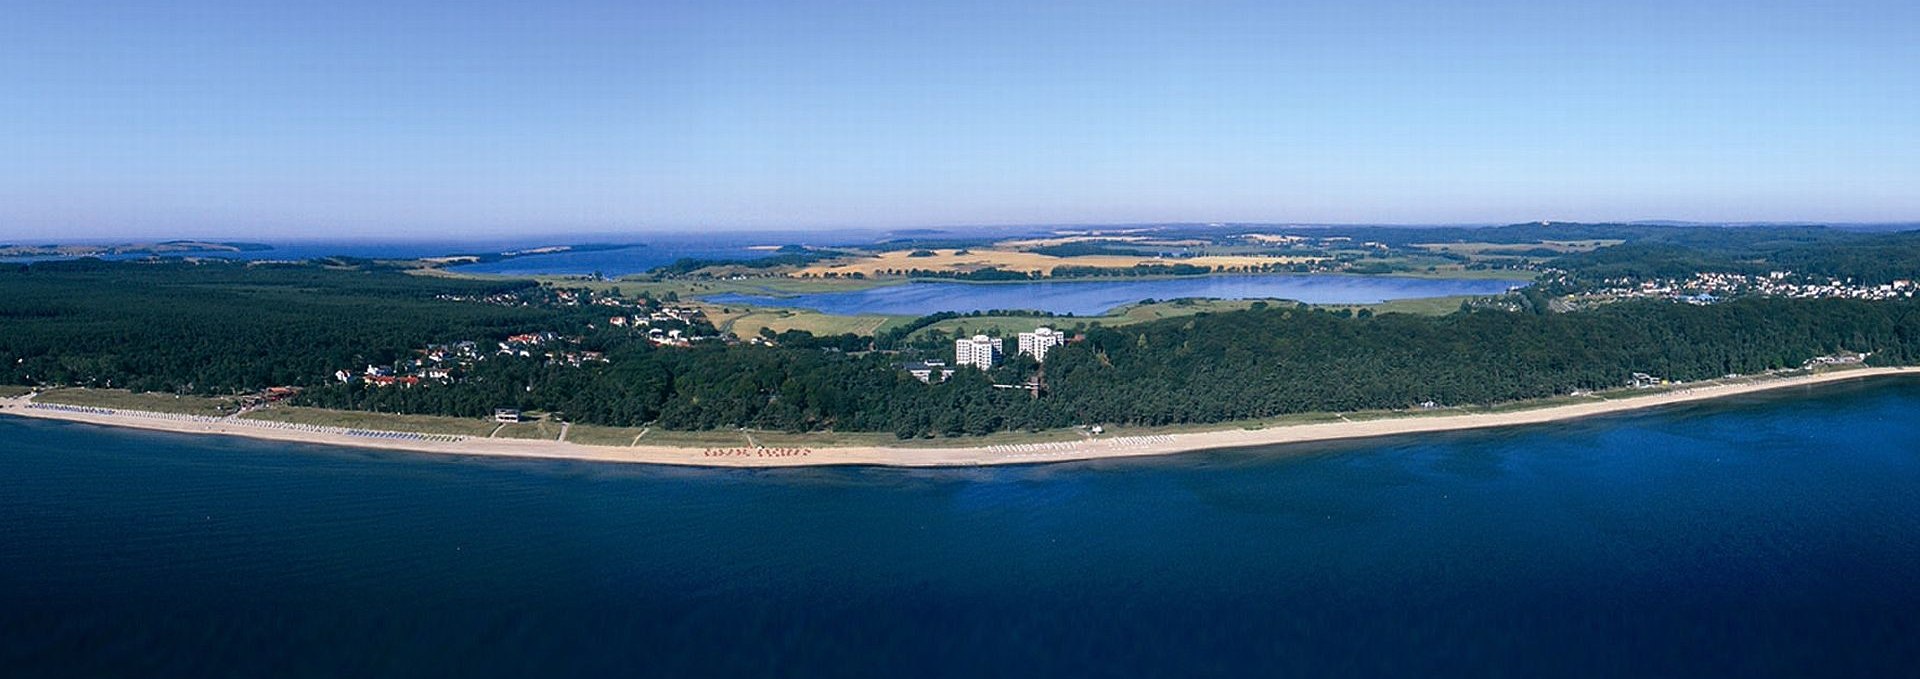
x: 979, y: 351
x: 1037, y: 343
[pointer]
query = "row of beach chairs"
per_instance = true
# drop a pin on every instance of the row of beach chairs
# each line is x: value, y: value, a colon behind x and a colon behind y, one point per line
x: 348, y: 431
x: 266, y: 424
x: 91, y: 410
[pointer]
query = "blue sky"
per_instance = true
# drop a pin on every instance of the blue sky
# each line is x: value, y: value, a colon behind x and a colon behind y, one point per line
x: 424, y: 119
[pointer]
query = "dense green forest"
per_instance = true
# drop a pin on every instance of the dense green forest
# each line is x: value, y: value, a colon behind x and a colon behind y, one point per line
x: 221, y: 327
x: 1652, y: 251
x: 1207, y: 368
x: 1657, y: 251
x: 1868, y: 258
x: 216, y: 327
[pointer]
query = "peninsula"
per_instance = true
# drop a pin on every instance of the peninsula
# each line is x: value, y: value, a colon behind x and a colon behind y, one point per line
x: 1091, y: 447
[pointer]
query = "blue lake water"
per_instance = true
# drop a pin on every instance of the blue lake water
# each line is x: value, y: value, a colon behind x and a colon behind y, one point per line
x: 1769, y: 536
x: 1094, y: 297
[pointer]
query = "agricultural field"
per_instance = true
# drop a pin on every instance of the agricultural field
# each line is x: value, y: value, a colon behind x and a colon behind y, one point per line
x: 749, y: 321
x: 898, y: 262
x: 1116, y: 240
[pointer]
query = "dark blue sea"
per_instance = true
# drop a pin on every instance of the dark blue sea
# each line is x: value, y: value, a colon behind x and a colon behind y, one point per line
x: 1775, y: 535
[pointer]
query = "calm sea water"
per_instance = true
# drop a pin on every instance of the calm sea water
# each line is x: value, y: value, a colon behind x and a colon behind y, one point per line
x: 656, y: 249
x: 1768, y: 536
x: 663, y: 249
x: 1094, y: 297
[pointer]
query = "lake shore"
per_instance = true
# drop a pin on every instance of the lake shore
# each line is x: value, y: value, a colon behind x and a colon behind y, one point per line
x: 1090, y: 448
x: 1105, y: 295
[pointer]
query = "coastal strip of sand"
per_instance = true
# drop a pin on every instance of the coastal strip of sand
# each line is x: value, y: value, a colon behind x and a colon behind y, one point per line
x: 1092, y: 448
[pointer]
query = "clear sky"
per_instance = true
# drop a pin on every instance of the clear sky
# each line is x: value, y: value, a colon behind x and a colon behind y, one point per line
x: 359, y: 117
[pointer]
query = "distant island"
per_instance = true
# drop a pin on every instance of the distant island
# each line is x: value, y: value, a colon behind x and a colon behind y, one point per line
x: 172, y: 247
x: 490, y: 257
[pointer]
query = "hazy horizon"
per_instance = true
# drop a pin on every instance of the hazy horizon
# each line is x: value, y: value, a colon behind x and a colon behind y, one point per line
x: 488, y: 119
x: 564, y: 236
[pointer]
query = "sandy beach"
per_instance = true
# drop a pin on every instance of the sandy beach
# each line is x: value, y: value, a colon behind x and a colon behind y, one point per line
x: 1093, y: 447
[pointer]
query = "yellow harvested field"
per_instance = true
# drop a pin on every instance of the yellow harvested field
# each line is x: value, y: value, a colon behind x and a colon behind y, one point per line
x: 899, y: 262
x: 1063, y: 240
x: 1273, y: 238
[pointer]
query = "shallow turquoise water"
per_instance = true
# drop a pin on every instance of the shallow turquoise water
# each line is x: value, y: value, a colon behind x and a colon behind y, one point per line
x: 1773, y: 535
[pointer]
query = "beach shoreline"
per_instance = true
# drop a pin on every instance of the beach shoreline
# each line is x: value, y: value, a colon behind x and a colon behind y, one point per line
x: 1090, y: 448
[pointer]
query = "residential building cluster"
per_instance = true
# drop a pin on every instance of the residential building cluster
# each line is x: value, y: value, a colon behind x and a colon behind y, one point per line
x: 983, y: 352
x: 497, y: 299
x: 1711, y: 287
x: 669, y: 326
x: 447, y: 363
x: 552, y: 296
x: 542, y: 296
x: 665, y: 323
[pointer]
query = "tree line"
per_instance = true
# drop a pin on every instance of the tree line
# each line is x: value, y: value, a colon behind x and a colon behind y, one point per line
x: 227, y: 327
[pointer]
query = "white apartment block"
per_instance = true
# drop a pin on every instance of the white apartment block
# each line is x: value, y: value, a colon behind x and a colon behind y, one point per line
x: 1037, y: 343
x: 979, y: 351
